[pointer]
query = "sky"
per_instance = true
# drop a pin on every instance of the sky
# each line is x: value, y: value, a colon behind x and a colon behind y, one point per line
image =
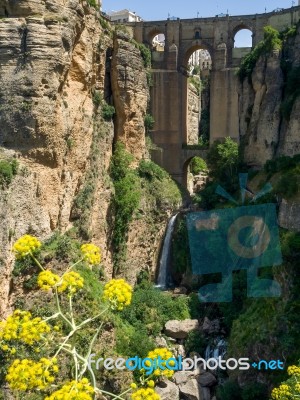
x: 151, y: 10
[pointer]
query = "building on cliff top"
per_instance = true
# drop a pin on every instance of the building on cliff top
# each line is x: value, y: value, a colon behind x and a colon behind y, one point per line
x: 124, y: 16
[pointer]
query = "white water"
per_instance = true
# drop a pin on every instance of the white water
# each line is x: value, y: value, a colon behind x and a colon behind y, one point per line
x: 162, y: 281
x: 218, y: 349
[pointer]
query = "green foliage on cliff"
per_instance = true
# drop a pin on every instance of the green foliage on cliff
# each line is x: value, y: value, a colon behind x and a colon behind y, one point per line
x: 198, y: 165
x: 145, y: 53
x: 126, y: 200
x: 291, y: 90
x: 8, y: 169
x: 180, y: 251
x: 149, y: 122
x: 271, y: 41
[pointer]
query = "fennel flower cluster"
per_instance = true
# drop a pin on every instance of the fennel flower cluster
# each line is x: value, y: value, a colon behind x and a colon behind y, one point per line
x: 164, y: 354
x: 28, y: 374
x: 294, y: 370
x: 73, y: 390
x: 26, y: 245
x: 118, y: 293
x: 21, y: 326
x: 70, y: 281
x: 91, y: 253
x: 281, y: 393
x: 145, y: 394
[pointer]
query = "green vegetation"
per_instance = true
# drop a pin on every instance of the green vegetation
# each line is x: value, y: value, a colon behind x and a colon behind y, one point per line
x: 149, y: 123
x: 180, y: 251
x: 198, y: 165
x: 270, y: 42
x: 232, y: 391
x: 291, y: 90
x: 204, y: 127
x: 126, y: 200
x: 8, y: 169
x: 93, y: 3
x: 145, y: 53
x: 196, y: 82
x: 108, y: 111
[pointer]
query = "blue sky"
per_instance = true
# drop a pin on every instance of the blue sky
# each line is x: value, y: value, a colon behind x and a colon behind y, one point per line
x: 158, y: 9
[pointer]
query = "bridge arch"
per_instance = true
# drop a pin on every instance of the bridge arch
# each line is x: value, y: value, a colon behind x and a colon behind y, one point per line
x: 153, y: 33
x: 190, y: 48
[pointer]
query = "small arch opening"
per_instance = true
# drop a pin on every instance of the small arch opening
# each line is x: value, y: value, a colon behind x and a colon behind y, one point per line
x: 243, y: 38
x: 195, y: 172
x: 159, y: 42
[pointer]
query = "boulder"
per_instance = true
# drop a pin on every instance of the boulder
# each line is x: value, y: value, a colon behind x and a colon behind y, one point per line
x: 181, y: 377
x: 206, y: 379
x: 211, y: 327
x: 191, y: 390
x: 205, y: 393
x: 180, y: 329
x: 167, y: 390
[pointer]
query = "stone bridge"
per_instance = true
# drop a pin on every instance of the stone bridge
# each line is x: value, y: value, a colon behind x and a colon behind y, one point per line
x: 169, y: 92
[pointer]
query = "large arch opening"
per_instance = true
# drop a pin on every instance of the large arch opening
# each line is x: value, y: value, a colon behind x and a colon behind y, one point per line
x: 242, y: 43
x: 157, y: 40
x: 199, y: 65
x: 195, y: 174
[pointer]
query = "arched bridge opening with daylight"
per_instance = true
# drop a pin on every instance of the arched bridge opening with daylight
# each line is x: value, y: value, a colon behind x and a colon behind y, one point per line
x: 172, y: 42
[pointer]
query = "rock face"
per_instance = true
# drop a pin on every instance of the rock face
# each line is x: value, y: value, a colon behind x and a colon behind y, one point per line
x: 130, y: 94
x: 180, y: 329
x: 264, y: 130
x: 194, y: 105
x: 289, y: 215
x: 50, y: 63
x: 167, y: 391
x: 55, y: 73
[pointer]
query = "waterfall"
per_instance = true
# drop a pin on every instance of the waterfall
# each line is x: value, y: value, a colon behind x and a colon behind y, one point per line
x: 218, y: 349
x: 162, y: 281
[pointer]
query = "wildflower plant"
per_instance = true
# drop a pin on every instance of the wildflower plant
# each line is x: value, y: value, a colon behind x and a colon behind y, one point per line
x: 23, y: 337
x: 289, y: 389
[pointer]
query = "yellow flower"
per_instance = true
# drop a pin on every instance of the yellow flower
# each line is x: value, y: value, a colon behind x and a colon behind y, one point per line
x: 26, y: 245
x: 70, y: 281
x: 21, y: 326
x: 27, y: 374
x: 91, y: 253
x: 47, y: 280
x: 151, y: 383
x: 145, y: 394
x: 164, y: 354
x: 293, y: 370
x: 133, y: 385
x: 73, y: 390
x: 118, y: 293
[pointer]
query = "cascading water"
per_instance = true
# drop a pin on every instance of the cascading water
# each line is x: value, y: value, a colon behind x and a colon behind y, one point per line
x: 163, y: 278
x: 217, y: 349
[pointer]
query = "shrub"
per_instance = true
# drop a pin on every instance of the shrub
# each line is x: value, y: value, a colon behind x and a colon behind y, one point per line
x: 198, y: 165
x: 270, y: 42
x: 8, y: 169
x: 229, y: 391
x: 291, y: 92
x: 108, y: 111
x: 150, y: 170
x: 146, y: 55
x: 153, y: 308
x: 288, y: 184
x: 195, y: 342
x: 254, y: 391
x: 149, y: 122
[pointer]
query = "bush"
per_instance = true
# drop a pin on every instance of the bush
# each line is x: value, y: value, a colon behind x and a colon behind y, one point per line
x: 180, y: 250
x: 149, y: 170
x: 254, y: 391
x: 126, y: 200
x: 108, y: 112
x: 291, y: 92
x: 198, y: 165
x: 270, y: 42
x: 229, y: 391
x: 149, y: 122
x: 288, y: 184
x: 8, y: 169
x: 146, y: 55
x: 152, y: 308
x: 195, y: 342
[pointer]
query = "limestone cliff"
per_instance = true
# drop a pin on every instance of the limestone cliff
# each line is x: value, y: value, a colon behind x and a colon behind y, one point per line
x: 265, y: 129
x: 130, y: 94
x: 55, y: 77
